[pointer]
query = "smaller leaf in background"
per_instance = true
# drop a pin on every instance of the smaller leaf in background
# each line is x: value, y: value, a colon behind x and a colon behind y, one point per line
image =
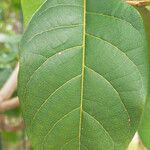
x: 29, y: 8
x: 144, y: 130
x: 13, y: 39
x: 148, y: 7
x: 16, y: 4
x: 0, y: 142
x: 10, y: 136
x: 7, y: 59
x: 13, y: 112
x: 10, y: 140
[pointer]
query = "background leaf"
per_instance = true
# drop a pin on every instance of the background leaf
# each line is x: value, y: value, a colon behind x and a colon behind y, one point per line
x: 87, y: 75
x: 29, y: 7
x: 144, y: 130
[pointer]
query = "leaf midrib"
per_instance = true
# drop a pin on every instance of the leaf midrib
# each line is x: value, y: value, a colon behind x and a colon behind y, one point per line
x: 83, y: 70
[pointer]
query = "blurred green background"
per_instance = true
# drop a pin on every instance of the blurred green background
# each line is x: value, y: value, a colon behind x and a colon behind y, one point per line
x: 11, y: 28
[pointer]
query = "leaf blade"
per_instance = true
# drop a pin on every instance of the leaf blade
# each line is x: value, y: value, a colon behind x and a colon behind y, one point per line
x: 100, y: 75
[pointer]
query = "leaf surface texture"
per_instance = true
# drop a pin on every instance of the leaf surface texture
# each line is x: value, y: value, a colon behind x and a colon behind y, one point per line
x: 83, y: 75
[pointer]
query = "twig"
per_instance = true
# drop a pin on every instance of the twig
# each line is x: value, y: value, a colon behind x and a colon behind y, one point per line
x: 139, y: 3
x: 10, y: 128
x: 10, y: 85
x: 6, y: 125
x: 9, y: 104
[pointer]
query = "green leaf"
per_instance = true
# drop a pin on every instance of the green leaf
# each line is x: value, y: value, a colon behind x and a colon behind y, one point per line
x: 10, y: 137
x: 148, y: 8
x: 145, y: 125
x: 0, y: 142
x: 83, y: 75
x: 144, y: 130
x: 29, y: 8
x: 12, y: 39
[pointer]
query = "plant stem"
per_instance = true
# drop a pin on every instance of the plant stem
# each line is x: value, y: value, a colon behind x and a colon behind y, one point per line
x: 10, y: 85
x: 139, y: 3
x: 9, y: 104
x: 6, y: 125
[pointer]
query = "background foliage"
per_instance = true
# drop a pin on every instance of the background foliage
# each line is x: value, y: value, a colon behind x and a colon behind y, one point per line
x: 10, y: 34
x: 34, y: 5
